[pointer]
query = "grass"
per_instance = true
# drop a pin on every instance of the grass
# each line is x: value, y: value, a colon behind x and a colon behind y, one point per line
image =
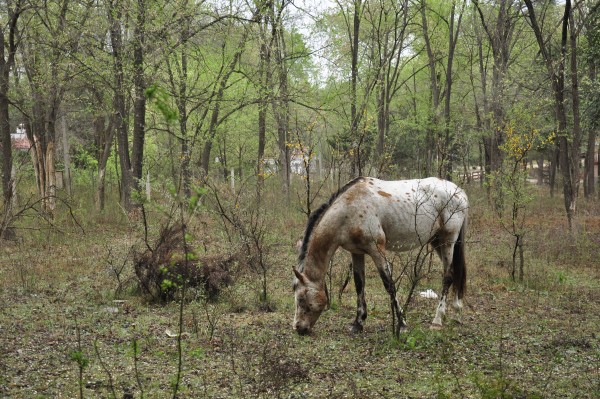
x: 538, y: 338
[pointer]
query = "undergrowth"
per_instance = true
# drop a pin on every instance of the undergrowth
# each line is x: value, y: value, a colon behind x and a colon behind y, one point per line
x: 73, y: 323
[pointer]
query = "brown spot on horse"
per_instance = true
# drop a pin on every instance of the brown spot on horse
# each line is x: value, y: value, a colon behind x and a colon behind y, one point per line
x: 356, y: 235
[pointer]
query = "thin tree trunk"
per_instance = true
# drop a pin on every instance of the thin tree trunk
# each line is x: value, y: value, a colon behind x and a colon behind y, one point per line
x: 281, y: 105
x: 103, y: 158
x: 264, y: 74
x: 447, y: 151
x: 8, y: 48
x: 589, y: 180
x: 575, y: 106
x: 139, y: 102
x: 435, y: 93
x: 120, y: 112
x: 354, y: 41
x: 568, y: 166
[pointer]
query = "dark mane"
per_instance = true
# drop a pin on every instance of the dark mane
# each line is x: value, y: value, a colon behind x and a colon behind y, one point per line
x: 315, y: 217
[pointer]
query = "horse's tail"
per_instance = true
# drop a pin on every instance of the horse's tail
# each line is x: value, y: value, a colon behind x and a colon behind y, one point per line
x: 459, y: 266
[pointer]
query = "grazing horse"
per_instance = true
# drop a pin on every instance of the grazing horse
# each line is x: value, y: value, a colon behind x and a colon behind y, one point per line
x: 370, y: 216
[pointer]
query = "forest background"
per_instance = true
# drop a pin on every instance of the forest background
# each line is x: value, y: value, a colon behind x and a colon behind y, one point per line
x: 117, y: 93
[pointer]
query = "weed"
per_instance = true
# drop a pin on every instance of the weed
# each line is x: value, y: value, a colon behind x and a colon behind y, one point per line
x: 80, y: 359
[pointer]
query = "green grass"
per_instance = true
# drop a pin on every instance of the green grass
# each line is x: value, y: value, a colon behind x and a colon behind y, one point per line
x: 538, y: 338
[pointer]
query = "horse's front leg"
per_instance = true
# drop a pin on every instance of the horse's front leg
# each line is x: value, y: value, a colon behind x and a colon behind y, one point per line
x: 388, y: 282
x: 358, y: 267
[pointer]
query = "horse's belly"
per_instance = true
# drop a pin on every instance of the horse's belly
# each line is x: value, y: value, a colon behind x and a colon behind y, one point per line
x: 405, y: 241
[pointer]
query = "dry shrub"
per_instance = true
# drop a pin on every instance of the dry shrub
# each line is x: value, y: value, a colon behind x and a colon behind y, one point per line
x: 163, y: 269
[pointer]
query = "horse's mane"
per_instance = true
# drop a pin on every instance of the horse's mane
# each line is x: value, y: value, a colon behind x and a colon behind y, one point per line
x: 315, y: 217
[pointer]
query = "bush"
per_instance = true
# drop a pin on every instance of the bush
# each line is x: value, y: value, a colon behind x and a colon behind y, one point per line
x: 163, y: 269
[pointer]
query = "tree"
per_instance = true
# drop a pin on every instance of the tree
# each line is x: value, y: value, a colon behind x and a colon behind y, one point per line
x: 388, y: 22
x: 591, y: 96
x: 52, y: 35
x: 499, y: 27
x: 352, y: 15
x: 8, y: 50
x: 139, y: 89
x: 568, y: 142
x: 115, y: 13
x: 281, y: 102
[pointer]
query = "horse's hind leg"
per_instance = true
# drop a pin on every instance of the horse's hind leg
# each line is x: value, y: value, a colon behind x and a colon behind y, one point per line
x: 458, y: 306
x: 358, y: 266
x: 388, y: 282
x: 445, y: 252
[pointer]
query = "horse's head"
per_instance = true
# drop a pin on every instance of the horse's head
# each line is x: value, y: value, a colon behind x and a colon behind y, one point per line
x: 311, y: 300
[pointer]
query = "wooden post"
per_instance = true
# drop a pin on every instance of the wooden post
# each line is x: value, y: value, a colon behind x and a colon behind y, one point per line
x: 148, y: 186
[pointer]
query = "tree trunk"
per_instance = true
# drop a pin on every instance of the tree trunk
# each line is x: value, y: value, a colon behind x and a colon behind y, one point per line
x: 105, y: 140
x: 432, y: 134
x: 575, y: 105
x: 448, y: 152
x: 8, y: 48
x: 593, y: 38
x: 569, y: 167
x: 500, y: 36
x: 281, y: 106
x: 139, y: 103
x: 186, y: 175
x: 5, y: 136
x: 120, y: 111
x: 355, y: 168
x: 264, y: 76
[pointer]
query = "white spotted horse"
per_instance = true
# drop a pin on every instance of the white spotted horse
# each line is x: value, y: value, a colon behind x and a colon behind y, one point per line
x: 369, y: 216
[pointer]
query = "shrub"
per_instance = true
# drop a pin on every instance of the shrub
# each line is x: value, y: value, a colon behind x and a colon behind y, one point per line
x: 163, y: 269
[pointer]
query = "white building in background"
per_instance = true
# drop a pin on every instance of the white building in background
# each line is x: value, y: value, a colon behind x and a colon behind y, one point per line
x: 19, y: 139
x: 297, y: 162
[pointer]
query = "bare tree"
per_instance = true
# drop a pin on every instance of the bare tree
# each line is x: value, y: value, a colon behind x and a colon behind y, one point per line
x: 388, y: 22
x: 499, y: 26
x: 139, y: 100
x: 440, y: 90
x: 53, y: 36
x: 281, y: 102
x: 114, y: 9
x: 568, y: 142
x: 592, y: 32
x: 8, y: 50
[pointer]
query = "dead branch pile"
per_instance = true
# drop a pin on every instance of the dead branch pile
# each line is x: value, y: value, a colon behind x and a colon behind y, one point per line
x: 162, y: 270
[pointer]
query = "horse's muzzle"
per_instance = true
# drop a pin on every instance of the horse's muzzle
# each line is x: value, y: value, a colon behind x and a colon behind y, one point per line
x: 302, y: 329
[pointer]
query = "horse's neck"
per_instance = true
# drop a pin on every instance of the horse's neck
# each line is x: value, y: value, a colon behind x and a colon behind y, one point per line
x: 315, y: 268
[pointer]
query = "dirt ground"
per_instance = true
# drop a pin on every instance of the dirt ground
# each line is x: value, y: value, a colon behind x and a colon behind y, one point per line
x: 67, y: 330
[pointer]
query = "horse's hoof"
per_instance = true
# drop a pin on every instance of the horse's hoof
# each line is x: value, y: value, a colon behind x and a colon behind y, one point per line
x: 435, y: 326
x: 356, y: 328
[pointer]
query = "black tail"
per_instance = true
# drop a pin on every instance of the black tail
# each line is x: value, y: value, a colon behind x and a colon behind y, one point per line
x: 459, y: 266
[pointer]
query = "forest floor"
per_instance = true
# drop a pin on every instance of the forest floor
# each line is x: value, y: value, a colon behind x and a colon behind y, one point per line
x: 66, y: 318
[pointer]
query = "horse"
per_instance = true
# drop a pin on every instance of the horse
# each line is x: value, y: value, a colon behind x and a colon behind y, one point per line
x: 368, y: 216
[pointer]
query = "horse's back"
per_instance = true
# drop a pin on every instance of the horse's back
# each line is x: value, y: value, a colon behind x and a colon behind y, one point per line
x: 404, y: 214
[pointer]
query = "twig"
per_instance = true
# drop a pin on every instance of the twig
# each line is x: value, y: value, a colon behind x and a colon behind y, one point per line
x: 111, y: 383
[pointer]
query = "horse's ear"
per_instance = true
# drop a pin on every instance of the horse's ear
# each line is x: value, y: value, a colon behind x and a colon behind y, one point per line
x: 300, y: 276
